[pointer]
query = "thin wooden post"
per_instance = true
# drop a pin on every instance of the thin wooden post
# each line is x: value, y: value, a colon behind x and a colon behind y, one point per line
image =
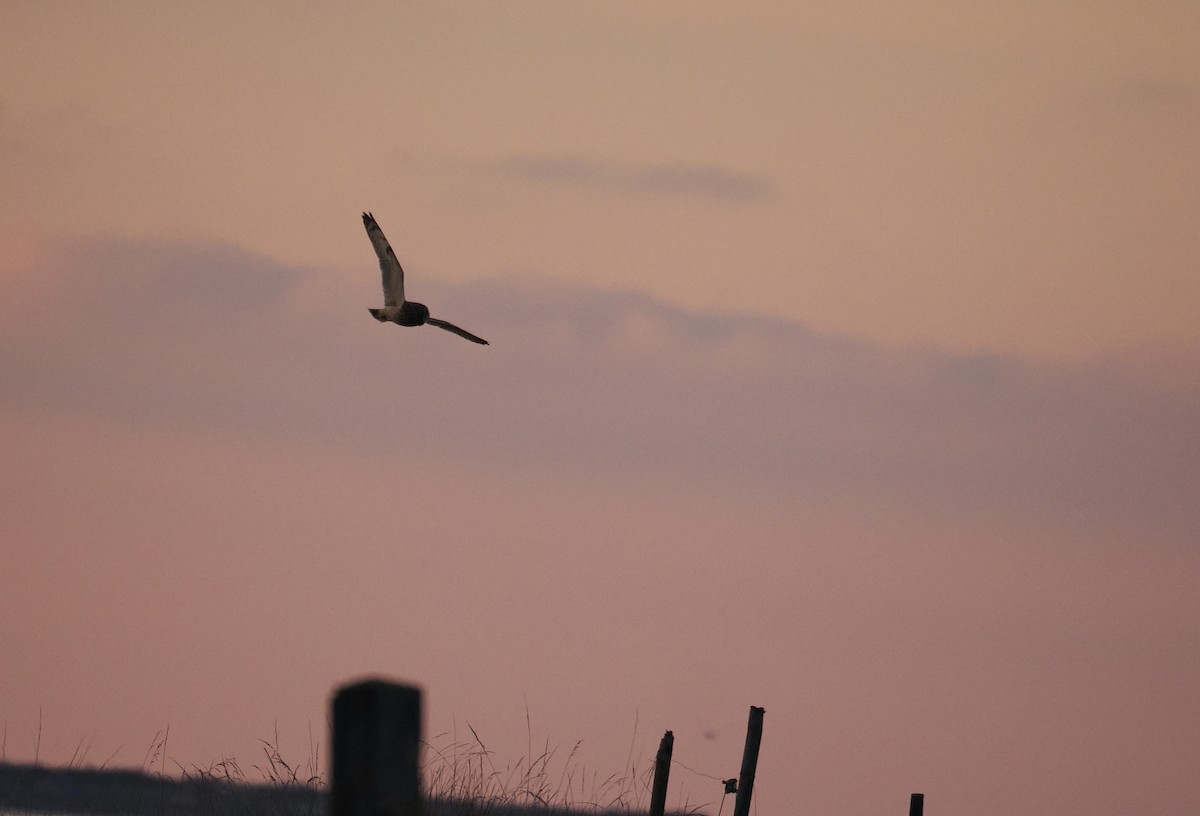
x: 741, y: 805
x: 916, y: 804
x: 376, y: 741
x: 662, y: 770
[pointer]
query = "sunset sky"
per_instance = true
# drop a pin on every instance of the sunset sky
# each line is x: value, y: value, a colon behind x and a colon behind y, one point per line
x: 844, y: 361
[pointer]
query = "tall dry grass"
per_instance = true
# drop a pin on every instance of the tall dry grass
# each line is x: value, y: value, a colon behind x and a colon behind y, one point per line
x: 459, y: 777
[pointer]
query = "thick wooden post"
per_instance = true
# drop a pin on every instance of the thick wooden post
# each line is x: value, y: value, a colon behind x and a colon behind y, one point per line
x: 916, y: 804
x: 376, y: 742
x: 741, y: 805
x: 662, y: 770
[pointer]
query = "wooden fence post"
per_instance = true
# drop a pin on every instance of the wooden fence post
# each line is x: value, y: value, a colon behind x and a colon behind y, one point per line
x: 916, y: 804
x: 376, y: 742
x: 741, y: 805
x: 662, y: 770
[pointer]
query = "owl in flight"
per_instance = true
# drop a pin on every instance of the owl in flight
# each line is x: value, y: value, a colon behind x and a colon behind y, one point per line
x: 395, y: 308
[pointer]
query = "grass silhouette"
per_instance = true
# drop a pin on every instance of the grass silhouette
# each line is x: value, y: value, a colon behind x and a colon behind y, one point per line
x: 459, y: 778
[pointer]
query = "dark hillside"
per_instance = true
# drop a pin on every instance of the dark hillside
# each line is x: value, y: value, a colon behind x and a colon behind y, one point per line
x: 38, y: 789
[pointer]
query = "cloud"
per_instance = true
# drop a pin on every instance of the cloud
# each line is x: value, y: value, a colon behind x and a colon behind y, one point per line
x: 1157, y: 95
x: 605, y: 385
x: 669, y: 179
x: 1154, y: 108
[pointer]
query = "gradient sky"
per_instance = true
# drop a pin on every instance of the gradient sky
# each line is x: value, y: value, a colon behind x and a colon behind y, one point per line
x: 844, y: 362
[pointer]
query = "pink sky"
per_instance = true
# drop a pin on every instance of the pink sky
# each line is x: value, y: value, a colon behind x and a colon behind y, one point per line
x: 843, y: 362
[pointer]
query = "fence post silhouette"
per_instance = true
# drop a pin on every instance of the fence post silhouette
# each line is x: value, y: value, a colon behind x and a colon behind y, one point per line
x: 376, y: 742
x: 916, y: 804
x: 662, y: 770
x: 741, y: 805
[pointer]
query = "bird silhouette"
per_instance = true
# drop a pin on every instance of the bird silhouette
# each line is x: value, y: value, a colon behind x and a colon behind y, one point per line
x: 395, y: 308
